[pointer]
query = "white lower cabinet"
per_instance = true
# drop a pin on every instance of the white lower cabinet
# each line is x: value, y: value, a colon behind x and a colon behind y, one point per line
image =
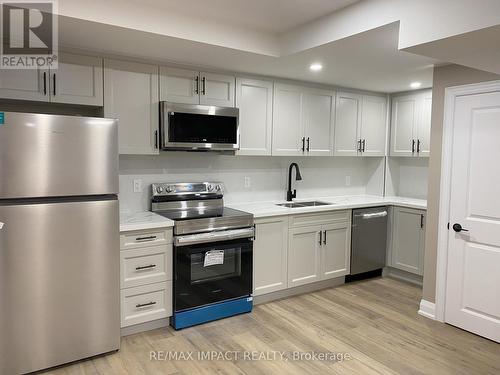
x: 270, y: 255
x: 304, y: 252
x: 407, y: 240
x: 145, y: 276
x: 336, y: 250
x: 319, y: 247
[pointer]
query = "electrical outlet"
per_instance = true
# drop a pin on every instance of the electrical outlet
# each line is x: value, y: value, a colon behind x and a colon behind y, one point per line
x: 347, y: 180
x: 248, y: 182
x: 137, y: 185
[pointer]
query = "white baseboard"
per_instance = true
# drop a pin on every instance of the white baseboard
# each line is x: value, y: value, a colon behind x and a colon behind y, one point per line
x: 427, y: 309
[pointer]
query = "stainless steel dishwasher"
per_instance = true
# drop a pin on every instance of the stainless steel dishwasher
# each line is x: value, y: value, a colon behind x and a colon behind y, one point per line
x: 369, y: 241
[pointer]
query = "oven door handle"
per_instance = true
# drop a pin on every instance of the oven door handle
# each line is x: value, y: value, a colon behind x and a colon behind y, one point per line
x: 226, y: 235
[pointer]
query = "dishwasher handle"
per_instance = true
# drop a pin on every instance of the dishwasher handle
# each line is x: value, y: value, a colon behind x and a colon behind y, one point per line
x: 371, y: 215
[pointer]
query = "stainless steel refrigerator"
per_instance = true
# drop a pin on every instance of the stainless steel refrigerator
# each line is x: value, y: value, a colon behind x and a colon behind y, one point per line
x: 59, y: 240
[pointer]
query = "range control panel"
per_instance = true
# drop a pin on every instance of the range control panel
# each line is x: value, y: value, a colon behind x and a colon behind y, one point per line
x: 187, y: 188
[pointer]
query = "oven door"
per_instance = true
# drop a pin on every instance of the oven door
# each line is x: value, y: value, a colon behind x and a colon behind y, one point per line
x: 212, y: 272
x: 198, y: 127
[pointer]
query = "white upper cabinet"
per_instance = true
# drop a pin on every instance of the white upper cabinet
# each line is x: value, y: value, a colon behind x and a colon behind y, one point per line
x: 193, y: 87
x: 24, y: 84
x: 424, y: 125
x: 318, y: 127
x: 373, y: 131
x: 302, y: 121
x: 360, y: 125
x: 347, y: 123
x: 410, y: 124
x: 131, y: 96
x: 77, y: 80
x: 254, y: 98
x: 288, y: 128
x: 217, y: 89
x: 179, y: 85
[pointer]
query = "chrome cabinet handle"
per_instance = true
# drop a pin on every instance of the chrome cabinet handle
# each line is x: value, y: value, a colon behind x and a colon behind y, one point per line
x: 324, y: 237
x: 139, y: 305
x: 147, y: 238
x: 140, y: 268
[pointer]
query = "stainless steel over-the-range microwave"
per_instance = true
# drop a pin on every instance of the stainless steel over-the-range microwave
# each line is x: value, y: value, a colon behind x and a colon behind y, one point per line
x: 198, y: 127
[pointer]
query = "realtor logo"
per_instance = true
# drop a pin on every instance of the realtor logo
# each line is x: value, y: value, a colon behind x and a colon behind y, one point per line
x: 29, y: 35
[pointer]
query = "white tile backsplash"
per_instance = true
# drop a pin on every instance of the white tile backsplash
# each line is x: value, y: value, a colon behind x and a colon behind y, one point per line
x: 322, y: 176
x: 407, y: 177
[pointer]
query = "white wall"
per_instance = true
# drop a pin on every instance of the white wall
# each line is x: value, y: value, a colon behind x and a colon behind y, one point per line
x: 407, y: 177
x: 322, y: 176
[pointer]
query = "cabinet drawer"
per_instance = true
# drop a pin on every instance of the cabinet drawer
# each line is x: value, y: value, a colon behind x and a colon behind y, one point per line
x: 318, y: 219
x: 146, y: 303
x: 135, y: 239
x: 145, y: 265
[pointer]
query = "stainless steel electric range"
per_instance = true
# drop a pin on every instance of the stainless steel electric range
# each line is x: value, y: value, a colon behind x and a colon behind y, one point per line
x: 212, y: 252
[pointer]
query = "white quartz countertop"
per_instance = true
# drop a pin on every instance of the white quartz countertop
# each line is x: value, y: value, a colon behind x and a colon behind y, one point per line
x: 269, y: 208
x: 143, y: 220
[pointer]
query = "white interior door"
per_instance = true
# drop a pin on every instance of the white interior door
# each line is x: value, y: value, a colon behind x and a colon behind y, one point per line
x: 473, y: 271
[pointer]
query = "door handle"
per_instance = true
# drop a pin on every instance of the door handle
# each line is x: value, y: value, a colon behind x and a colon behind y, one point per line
x: 140, y: 268
x: 308, y: 142
x: 146, y: 238
x: 458, y: 228
x: 139, y: 305
x: 303, y: 144
x: 324, y: 237
x: 44, y: 83
x: 203, y: 86
x: 320, y: 237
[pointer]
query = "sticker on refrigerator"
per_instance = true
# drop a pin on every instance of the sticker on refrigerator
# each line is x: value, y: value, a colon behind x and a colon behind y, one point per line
x: 2, y: 118
x: 213, y: 258
x: 1, y: 225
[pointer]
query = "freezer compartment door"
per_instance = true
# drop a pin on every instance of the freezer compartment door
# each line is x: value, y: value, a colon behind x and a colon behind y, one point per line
x: 369, y: 239
x: 59, y: 283
x: 48, y: 155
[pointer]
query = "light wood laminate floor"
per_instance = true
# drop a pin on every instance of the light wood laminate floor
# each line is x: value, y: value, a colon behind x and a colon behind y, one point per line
x: 375, y: 321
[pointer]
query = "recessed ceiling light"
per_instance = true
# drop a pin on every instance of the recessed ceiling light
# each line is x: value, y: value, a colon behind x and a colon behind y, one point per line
x: 316, y: 67
x: 415, y: 85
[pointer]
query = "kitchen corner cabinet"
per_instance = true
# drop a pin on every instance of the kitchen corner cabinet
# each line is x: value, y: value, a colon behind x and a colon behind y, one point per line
x: 411, y: 124
x: 131, y: 96
x: 360, y: 125
x: 302, y: 121
x: 319, y: 247
x: 77, y: 80
x: 270, y: 249
x: 194, y: 87
x: 408, y: 237
x: 254, y: 98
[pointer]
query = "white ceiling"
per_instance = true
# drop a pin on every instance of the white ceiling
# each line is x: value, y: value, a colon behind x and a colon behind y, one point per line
x: 368, y: 61
x: 272, y: 16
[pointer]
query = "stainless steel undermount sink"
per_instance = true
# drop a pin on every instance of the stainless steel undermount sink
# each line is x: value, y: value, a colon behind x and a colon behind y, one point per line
x: 303, y: 204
